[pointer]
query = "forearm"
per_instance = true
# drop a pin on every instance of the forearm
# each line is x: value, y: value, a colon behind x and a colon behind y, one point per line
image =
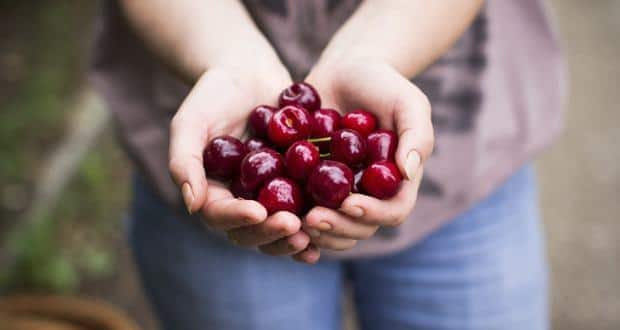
x: 192, y: 36
x: 407, y: 34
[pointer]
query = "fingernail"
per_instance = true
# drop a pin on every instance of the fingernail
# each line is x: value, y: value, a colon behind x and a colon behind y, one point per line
x: 412, y: 164
x: 324, y: 226
x: 188, y: 196
x: 354, y: 211
x: 313, y: 233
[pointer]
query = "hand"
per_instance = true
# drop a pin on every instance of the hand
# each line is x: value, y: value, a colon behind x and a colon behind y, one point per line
x: 398, y: 105
x: 219, y: 104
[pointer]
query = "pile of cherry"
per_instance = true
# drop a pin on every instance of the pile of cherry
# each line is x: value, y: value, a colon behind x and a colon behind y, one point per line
x: 329, y: 155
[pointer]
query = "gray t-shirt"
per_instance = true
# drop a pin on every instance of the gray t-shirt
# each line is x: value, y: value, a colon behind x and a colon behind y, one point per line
x: 497, y: 96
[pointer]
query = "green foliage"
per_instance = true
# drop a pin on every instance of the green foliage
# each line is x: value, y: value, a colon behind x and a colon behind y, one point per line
x: 42, y: 67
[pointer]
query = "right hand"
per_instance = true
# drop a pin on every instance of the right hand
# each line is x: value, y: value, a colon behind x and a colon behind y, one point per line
x: 219, y: 104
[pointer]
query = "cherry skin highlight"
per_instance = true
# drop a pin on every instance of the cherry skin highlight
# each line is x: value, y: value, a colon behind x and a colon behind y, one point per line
x: 348, y: 146
x: 300, y: 158
x: 252, y: 144
x: 381, y: 179
x: 330, y: 183
x: 381, y: 145
x: 281, y: 194
x: 288, y: 125
x: 259, y: 166
x: 361, y: 121
x: 222, y: 156
x: 324, y: 122
x: 302, y: 95
x: 259, y: 120
x: 357, y: 178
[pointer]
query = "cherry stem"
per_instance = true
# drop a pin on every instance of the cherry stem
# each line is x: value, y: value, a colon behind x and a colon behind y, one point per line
x: 325, y: 155
x: 323, y: 139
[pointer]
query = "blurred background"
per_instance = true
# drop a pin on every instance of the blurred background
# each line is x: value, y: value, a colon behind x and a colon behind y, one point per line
x: 64, y: 179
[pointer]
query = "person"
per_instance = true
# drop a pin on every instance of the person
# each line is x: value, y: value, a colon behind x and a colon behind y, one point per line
x: 471, y: 256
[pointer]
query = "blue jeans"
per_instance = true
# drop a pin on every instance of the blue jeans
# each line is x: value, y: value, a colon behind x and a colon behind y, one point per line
x: 484, y: 270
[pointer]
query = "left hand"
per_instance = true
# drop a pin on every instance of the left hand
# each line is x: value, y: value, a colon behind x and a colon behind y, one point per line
x: 399, y: 105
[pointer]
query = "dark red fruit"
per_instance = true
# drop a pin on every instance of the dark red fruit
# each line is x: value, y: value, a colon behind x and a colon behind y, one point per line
x: 222, y: 157
x: 324, y: 122
x: 348, y: 146
x: 381, y: 179
x: 254, y: 144
x: 330, y: 183
x: 301, y: 95
x: 360, y: 120
x: 258, y: 166
x: 357, y: 178
x: 238, y: 191
x: 281, y: 194
x: 381, y: 145
x: 259, y: 120
x: 300, y: 158
x: 288, y: 125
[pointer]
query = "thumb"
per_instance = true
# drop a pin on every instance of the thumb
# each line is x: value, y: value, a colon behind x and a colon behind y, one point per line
x: 415, y: 130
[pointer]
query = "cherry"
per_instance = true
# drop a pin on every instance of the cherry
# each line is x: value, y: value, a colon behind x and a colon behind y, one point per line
x: 300, y: 158
x: 301, y: 95
x: 259, y: 166
x: 357, y: 178
x: 330, y: 183
x: 288, y: 125
x: 381, y: 179
x: 381, y: 145
x: 281, y: 194
x: 348, y: 146
x: 254, y: 144
x: 260, y: 118
x: 324, y: 122
x: 222, y: 156
x: 360, y: 120
x: 238, y: 191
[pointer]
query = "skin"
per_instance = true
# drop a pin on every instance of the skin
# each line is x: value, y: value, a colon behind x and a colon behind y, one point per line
x: 234, y: 71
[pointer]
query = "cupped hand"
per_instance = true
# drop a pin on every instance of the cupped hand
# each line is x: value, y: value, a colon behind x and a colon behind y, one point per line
x: 219, y: 104
x: 398, y: 105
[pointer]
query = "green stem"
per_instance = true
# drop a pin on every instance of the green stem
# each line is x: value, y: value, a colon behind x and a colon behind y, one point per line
x: 322, y: 139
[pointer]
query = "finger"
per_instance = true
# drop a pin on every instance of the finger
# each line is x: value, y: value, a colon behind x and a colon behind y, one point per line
x: 190, y: 133
x: 287, y: 246
x: 224, y: 212
x: 390, y: 212
x: 322, y: 220
x: 412, y: 115
x: 279, y: 225
x: 327, y: 241
x: 310, y: 255
x: 399, y: 105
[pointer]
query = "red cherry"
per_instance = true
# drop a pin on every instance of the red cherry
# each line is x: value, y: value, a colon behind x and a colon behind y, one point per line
x: 301, y: 95
x: 238, y: 191
x: 348, y: 146
x: 288, y: 125
x: 259, y: 166
x: 222, y: 156
x: 381, y: 179
x: 254, y: 144
x: 357, y: 178
x: 360, y: 120
x: 381, y: 145
x: 281, y: 194
x: 300, y: 158
x: 330, y: 183
x: 260, y: 118
x: 324, y: 122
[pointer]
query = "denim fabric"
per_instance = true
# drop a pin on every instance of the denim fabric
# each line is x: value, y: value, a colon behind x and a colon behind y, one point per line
x: 486, y: 269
